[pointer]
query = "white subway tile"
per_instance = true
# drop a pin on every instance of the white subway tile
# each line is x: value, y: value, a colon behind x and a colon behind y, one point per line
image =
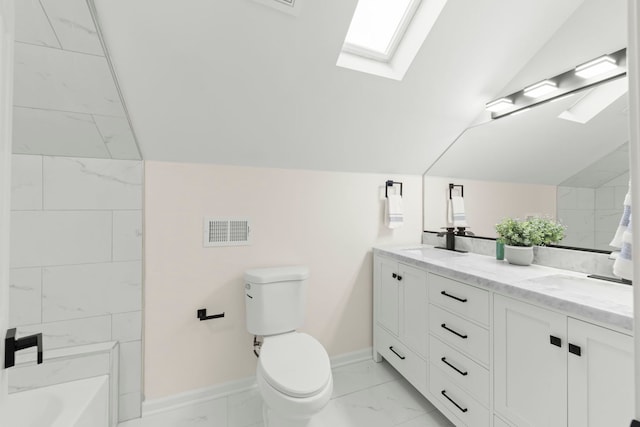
x: 605, y: 198
x: 585, y: 198
x: 130, y: 367
x: 129, y: 406
x: 40, y: 238
x: 26, y: 182
x: 74, y: 183
x: 59, y: 133
x: 118, y: 137
x: 76, y: 291
x: 25, y: 295
x: 127, y: 235
x: 74, y: 26
x: 27, y: 377
x: 66, y: 81
x: 126, y: 326
x: 70, y: 333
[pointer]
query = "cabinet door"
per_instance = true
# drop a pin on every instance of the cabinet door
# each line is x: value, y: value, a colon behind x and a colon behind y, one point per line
x: 388, y: 300
x: 600, y: 378
x: 530, y: 373
x: 414, y: 308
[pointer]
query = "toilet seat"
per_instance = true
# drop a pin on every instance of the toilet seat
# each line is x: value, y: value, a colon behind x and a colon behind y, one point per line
x: 295, y: 364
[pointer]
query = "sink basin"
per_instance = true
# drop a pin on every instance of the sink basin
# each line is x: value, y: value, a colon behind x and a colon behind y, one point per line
x: 432, y: 253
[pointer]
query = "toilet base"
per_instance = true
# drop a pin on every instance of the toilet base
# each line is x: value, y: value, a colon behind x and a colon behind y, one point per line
x: 272, y: 418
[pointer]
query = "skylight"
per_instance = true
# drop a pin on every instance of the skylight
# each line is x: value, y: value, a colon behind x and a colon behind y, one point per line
x: 377, y: 27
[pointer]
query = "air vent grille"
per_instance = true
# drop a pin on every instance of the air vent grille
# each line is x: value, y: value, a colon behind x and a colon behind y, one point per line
x: 226, y: 232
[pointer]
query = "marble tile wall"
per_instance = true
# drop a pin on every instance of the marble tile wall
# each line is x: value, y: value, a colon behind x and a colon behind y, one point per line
x: 76, y: 258
x: 576, y: 210
x: 63, y: 82
x: 608, y: 209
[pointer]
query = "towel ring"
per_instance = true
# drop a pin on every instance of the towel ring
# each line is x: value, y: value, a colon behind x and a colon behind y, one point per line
x: 391, y: 183
x: 452, y: 186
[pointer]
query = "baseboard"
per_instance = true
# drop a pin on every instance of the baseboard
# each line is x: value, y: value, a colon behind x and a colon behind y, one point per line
x: 353, y: 357
x: 192, y: 397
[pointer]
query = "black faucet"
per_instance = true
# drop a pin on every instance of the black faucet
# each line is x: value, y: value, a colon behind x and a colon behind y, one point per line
x: 451, y: 238
x: 11, y: 345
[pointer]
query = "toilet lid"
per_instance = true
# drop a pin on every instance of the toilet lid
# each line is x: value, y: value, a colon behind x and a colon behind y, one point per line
x: 295, y: 364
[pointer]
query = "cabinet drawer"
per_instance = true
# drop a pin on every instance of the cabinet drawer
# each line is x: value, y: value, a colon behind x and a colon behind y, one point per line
x: 459, y: 403
x: 460, y: 298
x: 408, y: 363
x: 460, y: 369
x: 471, y: 339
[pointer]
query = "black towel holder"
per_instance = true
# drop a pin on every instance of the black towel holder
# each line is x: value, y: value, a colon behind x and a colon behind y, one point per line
x: 452, y: 186
x: 391, y: 183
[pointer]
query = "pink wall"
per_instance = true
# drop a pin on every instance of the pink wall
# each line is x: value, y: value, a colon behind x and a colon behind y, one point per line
x: 325, y: 220
x: 486, y: 202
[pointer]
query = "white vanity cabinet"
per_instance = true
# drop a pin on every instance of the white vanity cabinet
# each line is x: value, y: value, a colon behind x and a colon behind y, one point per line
x: 485, y: 359
x: 600, y: 377
x: 400, y: 318
x: 459, y: 342
x: 552, y: 370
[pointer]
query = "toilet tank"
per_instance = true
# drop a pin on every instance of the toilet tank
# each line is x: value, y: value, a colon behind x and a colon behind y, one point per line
x: 275, y: 299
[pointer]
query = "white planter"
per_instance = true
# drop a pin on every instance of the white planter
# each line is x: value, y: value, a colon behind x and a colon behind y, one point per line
x: 518, y: 255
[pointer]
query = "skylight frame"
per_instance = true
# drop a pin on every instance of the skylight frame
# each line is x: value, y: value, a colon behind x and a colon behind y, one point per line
x: 393, y: 43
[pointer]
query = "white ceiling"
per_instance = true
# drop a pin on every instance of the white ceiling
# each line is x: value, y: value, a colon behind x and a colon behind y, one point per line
x: 235, y: 82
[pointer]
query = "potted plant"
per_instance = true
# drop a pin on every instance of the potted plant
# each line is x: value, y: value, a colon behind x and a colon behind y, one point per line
x: 519, y: 237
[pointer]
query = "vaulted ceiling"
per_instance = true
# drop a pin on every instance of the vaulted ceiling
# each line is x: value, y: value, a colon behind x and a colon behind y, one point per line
x: 238, y: 82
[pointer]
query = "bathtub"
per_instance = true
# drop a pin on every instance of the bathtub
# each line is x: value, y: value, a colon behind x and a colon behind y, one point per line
x: 81, y: 403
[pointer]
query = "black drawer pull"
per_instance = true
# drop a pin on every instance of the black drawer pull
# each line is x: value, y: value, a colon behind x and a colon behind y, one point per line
x: 575, y: 349
x: 444, y: 393
x: 555, y: 341
x: 463, y: 373
x: 394, y: 275
x: 444, y: 326
x: 399, y: 277
x: 453, y: 297
x: 396, y: 353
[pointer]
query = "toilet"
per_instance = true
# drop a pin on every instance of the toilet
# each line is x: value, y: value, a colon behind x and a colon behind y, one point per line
x: 294, y: 373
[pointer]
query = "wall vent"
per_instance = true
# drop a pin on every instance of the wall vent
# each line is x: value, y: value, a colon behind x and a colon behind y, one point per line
x: 291, y: 7
x: 226, y: 232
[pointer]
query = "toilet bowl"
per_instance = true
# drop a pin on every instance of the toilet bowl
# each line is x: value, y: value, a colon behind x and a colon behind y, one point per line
x: 293, y: 373
x: 294, y: 379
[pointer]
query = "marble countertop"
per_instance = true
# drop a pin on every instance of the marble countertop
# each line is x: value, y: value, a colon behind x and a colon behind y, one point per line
x: 574, y: 293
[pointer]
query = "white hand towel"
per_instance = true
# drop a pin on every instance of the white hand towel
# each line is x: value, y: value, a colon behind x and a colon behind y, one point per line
x: 624, y: 223
x: 623, y: 264
x: 394, y: 216
x: 458, y: 215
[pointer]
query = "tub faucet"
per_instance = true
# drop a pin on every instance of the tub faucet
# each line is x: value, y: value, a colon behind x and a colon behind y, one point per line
x: 11, y: 345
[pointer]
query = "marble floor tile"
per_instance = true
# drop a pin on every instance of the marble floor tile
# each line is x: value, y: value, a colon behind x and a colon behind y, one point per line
x: 245, y: 409
x: 384, y: 405
x: 358, y: 376
x: 431, y: 419
x: 206, y: 414
x: 368, y: 394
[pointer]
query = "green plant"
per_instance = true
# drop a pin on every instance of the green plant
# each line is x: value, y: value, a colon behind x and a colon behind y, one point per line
x: 530, y: 232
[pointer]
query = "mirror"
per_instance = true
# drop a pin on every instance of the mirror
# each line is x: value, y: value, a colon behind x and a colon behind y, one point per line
x: 567, y: 159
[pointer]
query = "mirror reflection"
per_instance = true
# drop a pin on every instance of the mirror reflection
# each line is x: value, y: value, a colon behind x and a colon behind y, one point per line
x: 567, y: 159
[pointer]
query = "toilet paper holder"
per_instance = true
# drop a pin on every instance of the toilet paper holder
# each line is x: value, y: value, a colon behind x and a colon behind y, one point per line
x: 202, y: 315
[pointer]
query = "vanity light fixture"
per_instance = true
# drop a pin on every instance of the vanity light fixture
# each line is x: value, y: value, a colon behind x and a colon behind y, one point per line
x: 498, y: 105
x: 540, y: 89
x: 595, y: 67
